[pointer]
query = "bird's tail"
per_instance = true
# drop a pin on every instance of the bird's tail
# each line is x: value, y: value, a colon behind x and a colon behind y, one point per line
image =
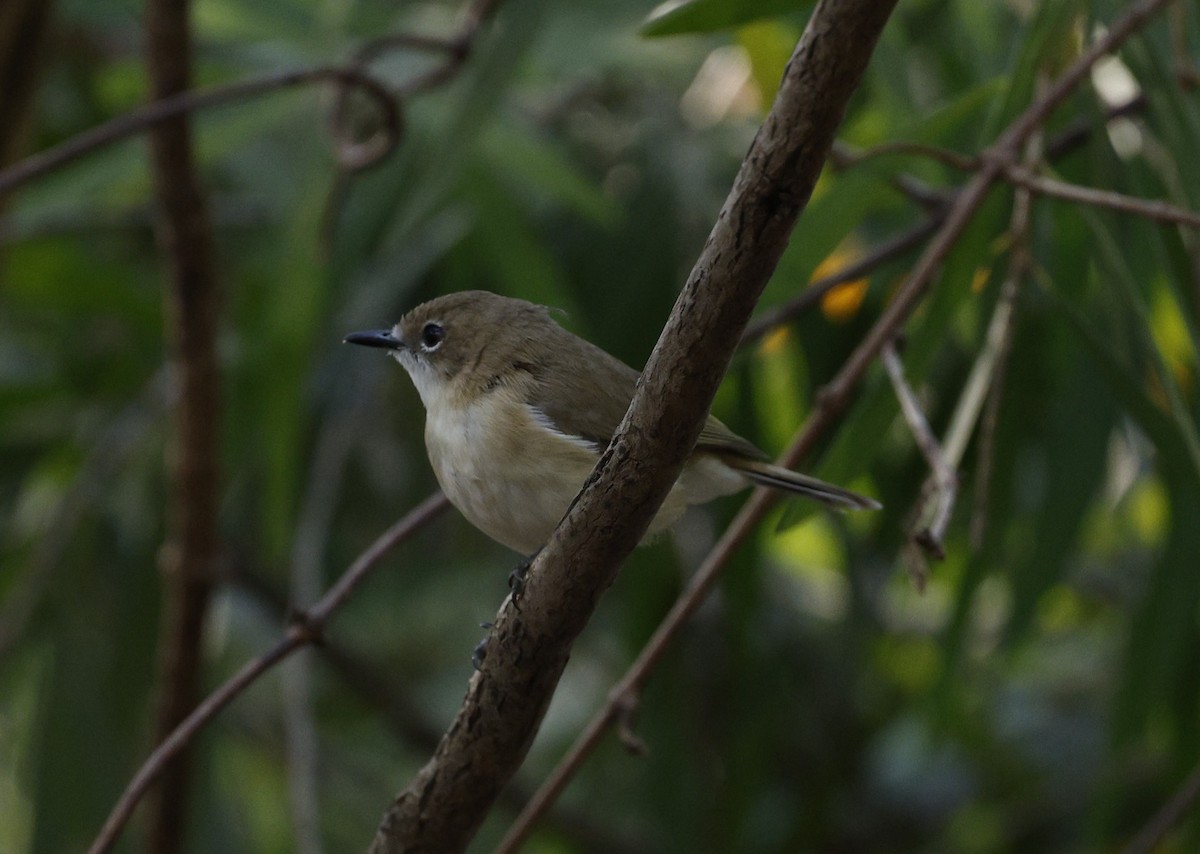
x: 777, y: 477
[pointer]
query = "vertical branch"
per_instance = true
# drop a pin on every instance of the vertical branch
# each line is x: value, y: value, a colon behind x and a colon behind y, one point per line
x: 187, y: 562
x: 24, y: 25
x: 301, y: 745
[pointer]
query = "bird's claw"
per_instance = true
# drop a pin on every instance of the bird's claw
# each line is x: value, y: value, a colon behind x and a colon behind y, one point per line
x: 516, y: 578
x: 480, y: 651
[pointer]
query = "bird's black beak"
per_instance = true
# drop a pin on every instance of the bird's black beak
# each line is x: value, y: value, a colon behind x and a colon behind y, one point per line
x: 382, y: 338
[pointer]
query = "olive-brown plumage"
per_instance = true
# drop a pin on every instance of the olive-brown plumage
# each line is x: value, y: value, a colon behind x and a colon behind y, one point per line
x: 518, y: 410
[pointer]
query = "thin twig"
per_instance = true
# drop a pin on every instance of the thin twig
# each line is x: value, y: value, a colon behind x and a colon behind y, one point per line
x: 992, y: 364
x: 1154, y: 209
x: 389, y: 695
x: 1184, y: 800
x: 845, y: 156
x: 990, y: 368
x: 306, y: 628
x: 928, y: 537
x: 868, y: 263
x: 1062, y: 145
x: 830, y: 406
x: 1076, y: 134
x: 848, y: 156
x: 353, y: 155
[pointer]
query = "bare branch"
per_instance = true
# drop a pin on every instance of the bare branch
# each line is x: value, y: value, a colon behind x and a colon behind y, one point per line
x: 359, y: 155
x: 990, y: 369
x: 1174, y: 811
x: 848, y: 156
x: 836, y: 396
x: 887, y: 251
x: 442, y: 808
x: 1154, y: 209
x: 25, y: 30
x: 830, y: 407
x: 635, y: 678
x: 457, y: 50
x: 307, y: 627
x: 188, y: 558
x: 308, y: 553
x: 992, y: 364
x: 928, y: 537
x: 385, y: 691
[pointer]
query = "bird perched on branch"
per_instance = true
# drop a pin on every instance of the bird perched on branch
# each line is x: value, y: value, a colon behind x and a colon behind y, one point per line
x: 518, y: 411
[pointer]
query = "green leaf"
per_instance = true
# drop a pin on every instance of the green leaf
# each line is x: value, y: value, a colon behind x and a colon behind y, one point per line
x: 533, y: 166
x: 709, y: 16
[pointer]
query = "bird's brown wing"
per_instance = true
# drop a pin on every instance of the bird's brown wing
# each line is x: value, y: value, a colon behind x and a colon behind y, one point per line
x: 718, y: 439
x: 590, y: 398
x: 591, y: 402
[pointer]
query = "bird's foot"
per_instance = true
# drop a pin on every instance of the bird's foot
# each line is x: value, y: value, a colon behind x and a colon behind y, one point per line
x: 480, y: 651
x: 516, y: 578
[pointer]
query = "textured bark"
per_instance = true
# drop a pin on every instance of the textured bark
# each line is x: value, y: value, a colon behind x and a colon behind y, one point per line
x: 442, y: 808
x: 188, y: 558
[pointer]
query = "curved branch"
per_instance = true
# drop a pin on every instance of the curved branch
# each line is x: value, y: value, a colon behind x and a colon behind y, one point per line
x: 456, y: 48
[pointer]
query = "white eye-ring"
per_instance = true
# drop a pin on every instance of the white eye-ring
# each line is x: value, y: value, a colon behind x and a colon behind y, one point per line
x: 432, y: 335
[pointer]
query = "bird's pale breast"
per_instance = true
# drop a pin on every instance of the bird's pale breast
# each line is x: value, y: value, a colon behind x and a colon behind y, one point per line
x: 512, y: 473
x: 505, y: 468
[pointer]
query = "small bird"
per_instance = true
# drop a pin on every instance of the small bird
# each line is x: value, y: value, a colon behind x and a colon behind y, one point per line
x: 518, y: 411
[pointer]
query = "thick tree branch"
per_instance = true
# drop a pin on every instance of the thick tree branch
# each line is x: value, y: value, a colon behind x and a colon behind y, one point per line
x: 831, y: 405
x: 189, y: 557
x: 445, y: 804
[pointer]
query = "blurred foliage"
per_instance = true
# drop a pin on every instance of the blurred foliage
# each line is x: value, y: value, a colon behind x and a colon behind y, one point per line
x: 1043, y: 694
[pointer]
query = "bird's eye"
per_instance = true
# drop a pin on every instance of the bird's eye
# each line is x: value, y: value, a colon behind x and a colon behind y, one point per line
x: 431, y: 337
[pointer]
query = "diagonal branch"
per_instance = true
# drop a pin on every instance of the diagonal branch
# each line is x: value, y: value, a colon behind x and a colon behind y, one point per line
x: 832, y: 403
x: 1153, y: 209
x: 835, y: 397
x: 1169, y: 816
x: 307, y: 628
x: 171, y: 107
x: 444, y: 805
x: 927, y: 538
x: 888, y: 250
